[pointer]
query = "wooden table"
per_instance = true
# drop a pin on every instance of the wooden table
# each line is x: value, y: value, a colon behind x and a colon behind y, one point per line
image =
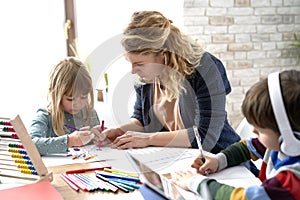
x: 237, y: 176
x: 69, y: 194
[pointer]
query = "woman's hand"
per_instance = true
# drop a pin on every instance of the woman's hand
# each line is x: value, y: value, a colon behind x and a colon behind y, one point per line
x: 113, y: 133
x: 131, y: 139
x: 209, y: 166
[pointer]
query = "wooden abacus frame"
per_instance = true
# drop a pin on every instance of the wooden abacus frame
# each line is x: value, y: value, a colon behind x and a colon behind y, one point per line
x: 31, y: 150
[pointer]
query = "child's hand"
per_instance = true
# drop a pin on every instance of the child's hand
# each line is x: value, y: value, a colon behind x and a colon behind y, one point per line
x: 181, y: 178
x: 97, y: 131
x: 100, y: 139
x: 80, y: 138
x: 211, y: 165
x: 85, y: 128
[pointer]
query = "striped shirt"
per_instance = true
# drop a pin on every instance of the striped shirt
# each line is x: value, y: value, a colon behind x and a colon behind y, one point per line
x: 280, y: 174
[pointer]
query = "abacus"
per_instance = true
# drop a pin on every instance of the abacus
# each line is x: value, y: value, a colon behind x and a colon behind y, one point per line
x: 19, y: 157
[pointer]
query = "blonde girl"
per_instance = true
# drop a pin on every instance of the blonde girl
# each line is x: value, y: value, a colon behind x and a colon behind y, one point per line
x: 67, y: 119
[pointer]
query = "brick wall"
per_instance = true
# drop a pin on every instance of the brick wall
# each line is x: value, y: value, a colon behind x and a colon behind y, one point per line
x: 251, y: 37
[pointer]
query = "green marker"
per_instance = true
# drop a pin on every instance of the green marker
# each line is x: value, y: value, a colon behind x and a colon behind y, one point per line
x: 106, y: 82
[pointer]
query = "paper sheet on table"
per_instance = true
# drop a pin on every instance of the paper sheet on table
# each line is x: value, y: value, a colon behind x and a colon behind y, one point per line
x: 159, y: 158
x: 102, y: 154
x: 238, y: 176
x: 7, y: 182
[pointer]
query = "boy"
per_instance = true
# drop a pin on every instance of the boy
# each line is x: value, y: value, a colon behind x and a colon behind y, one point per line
x: 272, y: 106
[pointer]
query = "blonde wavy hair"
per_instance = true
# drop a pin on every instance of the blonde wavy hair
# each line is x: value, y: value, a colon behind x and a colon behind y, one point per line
x: 69, y: 77
x: 149, y: 32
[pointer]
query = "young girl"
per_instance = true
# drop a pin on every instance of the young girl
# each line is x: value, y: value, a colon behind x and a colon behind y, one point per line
x: 277, y: 125
x: 69, y: 114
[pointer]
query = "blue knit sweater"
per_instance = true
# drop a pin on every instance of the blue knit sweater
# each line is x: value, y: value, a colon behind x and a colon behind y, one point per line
x: 203, y: 104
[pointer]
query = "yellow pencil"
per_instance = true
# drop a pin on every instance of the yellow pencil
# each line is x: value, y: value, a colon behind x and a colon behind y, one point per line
x: 115, y: 171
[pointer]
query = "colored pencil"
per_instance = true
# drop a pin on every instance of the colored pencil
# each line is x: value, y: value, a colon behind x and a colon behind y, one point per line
x: 112, y: 183
x: 69, y: 182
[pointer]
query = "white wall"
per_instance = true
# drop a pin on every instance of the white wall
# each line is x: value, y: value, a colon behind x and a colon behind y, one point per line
x: 32, y: 42
x: 100, y: 27
x: 98, y: 21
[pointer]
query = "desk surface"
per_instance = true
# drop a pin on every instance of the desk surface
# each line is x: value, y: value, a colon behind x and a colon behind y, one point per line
x: 235, y: 176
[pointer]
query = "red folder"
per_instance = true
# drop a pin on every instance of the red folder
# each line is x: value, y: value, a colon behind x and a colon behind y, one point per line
x: 34, y: 191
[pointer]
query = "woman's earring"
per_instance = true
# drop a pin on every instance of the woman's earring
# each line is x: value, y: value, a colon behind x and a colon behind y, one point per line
x: 165, y: 59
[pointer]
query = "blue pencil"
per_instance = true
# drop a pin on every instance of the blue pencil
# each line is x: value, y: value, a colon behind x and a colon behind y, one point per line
x: 110, y: 175
x: 126, y: 182
x: 112, y: 183
x: 89, y: 185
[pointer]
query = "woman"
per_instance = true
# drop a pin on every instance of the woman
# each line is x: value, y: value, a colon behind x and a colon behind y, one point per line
x: 181, y: 86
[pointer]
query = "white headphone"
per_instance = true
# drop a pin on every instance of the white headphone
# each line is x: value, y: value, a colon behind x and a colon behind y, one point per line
x: 290, y: 144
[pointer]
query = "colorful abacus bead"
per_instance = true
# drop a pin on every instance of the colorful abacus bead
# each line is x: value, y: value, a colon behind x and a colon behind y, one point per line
x: 28, y: 171
x: 17, y: 151
x: 5, y: 123
x: 8, y: 129
x: 16, y: 146
x: 24, y: 166
x: 17, y: 155
x: 23, y: 161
